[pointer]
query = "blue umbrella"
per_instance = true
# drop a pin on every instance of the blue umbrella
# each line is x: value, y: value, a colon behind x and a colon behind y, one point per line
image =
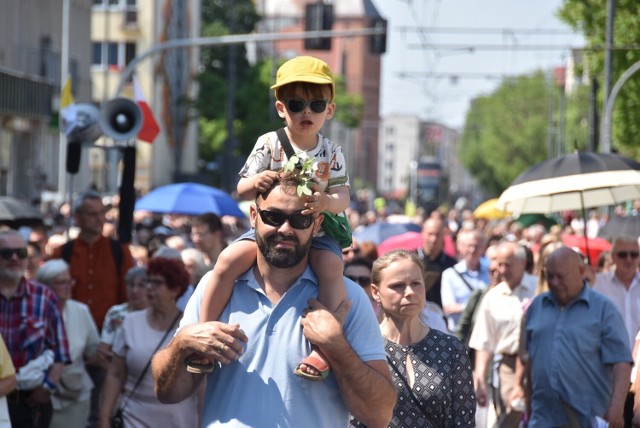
x: 379, y: 232
x: 190, y: 199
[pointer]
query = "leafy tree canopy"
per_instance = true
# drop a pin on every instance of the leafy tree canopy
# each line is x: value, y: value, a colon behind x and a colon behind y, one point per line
x: 508, y: 131
x: 589, y: 17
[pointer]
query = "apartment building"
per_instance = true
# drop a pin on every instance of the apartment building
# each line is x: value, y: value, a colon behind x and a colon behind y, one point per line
x: 30, y: 63
x: 121, y: 30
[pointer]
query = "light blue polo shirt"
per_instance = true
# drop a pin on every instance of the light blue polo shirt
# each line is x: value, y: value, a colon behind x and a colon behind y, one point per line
x: 260, y: 388
x: 572, y: 351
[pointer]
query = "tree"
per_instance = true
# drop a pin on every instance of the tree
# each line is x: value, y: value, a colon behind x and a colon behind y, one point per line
x: 507, y: 131
x: 589, y: 17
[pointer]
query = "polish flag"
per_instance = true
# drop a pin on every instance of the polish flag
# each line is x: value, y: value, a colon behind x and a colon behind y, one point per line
x: 150, y: 128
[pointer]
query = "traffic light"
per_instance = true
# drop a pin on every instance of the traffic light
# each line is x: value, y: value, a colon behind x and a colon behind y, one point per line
x: 378, y: 42
x: 319, y: 16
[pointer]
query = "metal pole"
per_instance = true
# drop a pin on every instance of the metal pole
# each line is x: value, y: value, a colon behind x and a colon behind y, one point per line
x: 605, y: 136
x: 608, y: 50
x: 237, y: 39
x: 64, y: 71
x: 228, y: 166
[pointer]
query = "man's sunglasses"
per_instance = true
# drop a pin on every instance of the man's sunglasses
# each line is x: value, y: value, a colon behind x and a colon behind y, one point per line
x: 277, y: 219
x: 362, y: 280
x: 625, y: 254
x: 296, y: 105
x: 7, y: 253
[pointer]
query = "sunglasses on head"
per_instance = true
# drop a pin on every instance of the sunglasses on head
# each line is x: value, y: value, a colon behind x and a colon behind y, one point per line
x: 625, y: 254
x: 296, y: 105
x: 277, y: 219
x: 7, y: 253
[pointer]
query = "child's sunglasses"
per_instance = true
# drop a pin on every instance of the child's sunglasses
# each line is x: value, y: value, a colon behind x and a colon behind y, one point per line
x: 296, y: 105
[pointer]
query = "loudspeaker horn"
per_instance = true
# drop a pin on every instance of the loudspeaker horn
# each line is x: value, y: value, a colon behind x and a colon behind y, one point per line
x: 120, y: 119
x: 86, y: 129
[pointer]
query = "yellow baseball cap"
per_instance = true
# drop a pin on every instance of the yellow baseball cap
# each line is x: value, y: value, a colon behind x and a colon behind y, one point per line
x: 304, y: 69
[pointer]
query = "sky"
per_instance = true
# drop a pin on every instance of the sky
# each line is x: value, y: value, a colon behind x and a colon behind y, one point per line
x: 470, y: 46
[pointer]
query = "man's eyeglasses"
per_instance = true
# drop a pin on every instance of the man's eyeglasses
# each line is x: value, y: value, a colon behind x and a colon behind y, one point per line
x: 296, y: 105
x: 277, y: 219
x: 625, y: 254
x: 7, y: 253
x: 362, y: 280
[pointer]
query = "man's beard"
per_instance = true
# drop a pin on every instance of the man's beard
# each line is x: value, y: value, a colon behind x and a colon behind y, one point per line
x: 280, y: 257
x: 11, y: 274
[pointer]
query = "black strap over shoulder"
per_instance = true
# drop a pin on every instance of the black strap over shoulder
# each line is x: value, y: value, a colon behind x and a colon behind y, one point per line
x: 286, y: 144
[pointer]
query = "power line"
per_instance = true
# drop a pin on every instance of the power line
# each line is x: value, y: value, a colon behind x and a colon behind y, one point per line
x: 498, y: 31
x: 452, y: 75
x: 505, y: 47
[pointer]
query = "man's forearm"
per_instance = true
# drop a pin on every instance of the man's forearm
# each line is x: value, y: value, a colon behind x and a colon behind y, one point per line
x: 7, y: 384
x: 483, y: 361
x: 620, y: 387
x: 172, y: 381
x: 366, y: 388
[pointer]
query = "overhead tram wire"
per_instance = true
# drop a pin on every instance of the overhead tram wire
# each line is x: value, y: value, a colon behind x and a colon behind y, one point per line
x: 475, y: 31
x: 502, y: 47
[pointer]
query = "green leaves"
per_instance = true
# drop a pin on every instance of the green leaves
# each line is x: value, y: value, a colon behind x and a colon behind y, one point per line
x: 304, y: 172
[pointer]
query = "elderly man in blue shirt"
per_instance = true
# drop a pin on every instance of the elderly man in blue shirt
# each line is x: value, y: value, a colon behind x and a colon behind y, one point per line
x: 578, y: 359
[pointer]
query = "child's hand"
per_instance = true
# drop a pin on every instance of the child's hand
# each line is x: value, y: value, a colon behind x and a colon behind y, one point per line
x: 316, y: 203
x: 264, y: 180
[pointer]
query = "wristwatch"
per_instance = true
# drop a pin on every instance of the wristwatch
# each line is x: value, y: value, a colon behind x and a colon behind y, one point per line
x: 49, y: 386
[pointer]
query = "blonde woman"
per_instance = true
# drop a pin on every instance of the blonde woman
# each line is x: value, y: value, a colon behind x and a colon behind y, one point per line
x: 430, y: 369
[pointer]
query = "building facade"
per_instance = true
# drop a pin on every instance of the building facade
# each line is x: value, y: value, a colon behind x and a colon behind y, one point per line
x: 31, y: 48
x: 121, y: 30
x: 404, y: 141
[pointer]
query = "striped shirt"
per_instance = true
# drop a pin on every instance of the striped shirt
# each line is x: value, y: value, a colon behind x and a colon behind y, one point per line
x: 31, y: 322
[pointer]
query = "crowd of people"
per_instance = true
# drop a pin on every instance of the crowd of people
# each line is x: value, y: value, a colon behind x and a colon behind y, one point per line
x: 209, y: 321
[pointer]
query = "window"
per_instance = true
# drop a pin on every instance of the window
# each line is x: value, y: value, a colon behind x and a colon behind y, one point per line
x: 129, y: 52
x: 114, y: 3
x: 114, y: 55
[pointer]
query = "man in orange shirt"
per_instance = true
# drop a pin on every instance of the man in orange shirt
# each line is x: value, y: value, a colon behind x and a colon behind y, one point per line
x: 99, y: 281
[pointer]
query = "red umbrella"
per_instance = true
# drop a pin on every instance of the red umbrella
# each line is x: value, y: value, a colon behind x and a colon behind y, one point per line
x: 404, y: 241
x: 595, y: 246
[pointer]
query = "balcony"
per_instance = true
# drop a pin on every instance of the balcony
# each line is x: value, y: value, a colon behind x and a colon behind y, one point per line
x: 130, y: 20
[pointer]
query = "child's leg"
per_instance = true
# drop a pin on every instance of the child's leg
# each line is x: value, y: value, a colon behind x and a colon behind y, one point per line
x: 332, y: 292
x: 328, y: 267
x: 231, y: 263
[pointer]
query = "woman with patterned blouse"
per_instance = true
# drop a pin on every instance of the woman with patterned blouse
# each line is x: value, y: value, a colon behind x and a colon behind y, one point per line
x: 430, y: 369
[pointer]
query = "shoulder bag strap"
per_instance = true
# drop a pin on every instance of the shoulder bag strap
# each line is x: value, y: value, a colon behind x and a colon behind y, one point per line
x: 406, y: 384
x: 144, y: 371
x: 463, y: 280
x: 286, y: 144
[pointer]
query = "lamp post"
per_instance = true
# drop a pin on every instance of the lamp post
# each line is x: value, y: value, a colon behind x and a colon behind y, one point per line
x: 605, y: 136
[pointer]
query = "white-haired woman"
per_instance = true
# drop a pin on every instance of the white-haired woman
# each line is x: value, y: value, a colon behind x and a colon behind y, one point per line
x: 430, y: 369
x: 71, y: 401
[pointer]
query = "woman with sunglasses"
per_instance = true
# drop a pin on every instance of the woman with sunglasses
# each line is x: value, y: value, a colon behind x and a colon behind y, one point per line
x: 430, y: 369
x: 72, y: 398
x: 358, y: 270
x: 304, y: 93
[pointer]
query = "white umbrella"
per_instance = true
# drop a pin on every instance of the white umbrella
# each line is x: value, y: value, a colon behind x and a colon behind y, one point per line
x: 573, y: 182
